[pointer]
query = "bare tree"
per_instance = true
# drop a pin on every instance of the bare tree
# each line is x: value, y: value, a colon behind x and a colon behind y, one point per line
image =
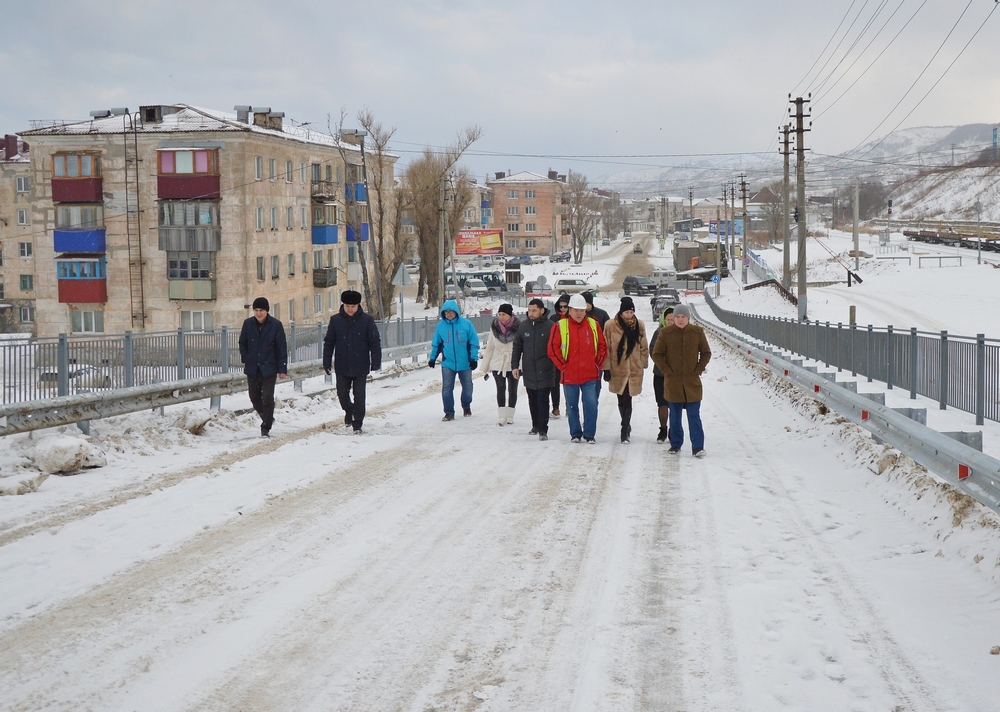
x: 611, y: 208
x: 584, y: 207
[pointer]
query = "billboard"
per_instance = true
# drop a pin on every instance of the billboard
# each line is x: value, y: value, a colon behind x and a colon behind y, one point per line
x: 479, y: 242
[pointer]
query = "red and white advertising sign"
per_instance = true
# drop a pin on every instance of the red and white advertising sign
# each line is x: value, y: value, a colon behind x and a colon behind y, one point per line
x: 479, y: 242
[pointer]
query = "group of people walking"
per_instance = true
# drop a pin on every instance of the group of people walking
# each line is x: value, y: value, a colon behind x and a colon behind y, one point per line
x: 578, y: 347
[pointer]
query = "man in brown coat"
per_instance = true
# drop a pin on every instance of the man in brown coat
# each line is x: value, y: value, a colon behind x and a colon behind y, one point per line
x: 682, y: 352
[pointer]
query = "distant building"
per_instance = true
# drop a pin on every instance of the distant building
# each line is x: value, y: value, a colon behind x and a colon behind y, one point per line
x: 529, y: 209
x: 479, y: 214
x: 17, y: 238
x: 176, y: 216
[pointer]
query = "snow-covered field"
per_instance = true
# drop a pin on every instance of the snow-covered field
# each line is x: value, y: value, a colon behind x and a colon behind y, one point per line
x: 433, y: 566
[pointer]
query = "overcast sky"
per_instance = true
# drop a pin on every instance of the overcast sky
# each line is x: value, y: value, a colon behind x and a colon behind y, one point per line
x: 560, y: 79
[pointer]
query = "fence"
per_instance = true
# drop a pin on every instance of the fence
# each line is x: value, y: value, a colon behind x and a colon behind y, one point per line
x: 760, y: 268
x: 49, y: 367
x: 958, y: 371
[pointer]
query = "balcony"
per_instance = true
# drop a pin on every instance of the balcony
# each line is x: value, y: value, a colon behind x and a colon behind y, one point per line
x: 83, y: 291
x: 81, y: 241
x: 77, y: 190
x: 353, y: 271
x: 323, y: 189
x: 197, y: 289
x: 190, y: 239
x: 325, y: 277
x: 185, y: 186
x: 351, y: 233
x: 355, y: 192
x: 324, y: 235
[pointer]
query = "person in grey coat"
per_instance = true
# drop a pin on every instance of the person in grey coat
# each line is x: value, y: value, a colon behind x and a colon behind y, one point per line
x: 530, y: 359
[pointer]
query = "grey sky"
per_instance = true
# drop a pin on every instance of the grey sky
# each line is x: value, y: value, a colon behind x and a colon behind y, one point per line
x: 563, y: 79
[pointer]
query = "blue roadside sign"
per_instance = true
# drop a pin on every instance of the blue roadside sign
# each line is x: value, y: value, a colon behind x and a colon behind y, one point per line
x: 715, y: 279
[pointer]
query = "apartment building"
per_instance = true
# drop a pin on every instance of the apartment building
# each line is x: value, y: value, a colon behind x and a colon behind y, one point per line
x: 529, y: 208
x: 17, y: 239
x: 655, y: 213
x: 479, y: 214
x: 175, y: 216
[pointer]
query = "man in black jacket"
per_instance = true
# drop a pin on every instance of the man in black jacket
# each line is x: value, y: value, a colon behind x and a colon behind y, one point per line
x: 354, y: 348
x: 530, y: 358
x: 265, y: 359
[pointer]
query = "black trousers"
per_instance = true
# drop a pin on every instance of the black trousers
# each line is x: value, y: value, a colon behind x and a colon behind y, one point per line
x: 262, y: 396
x: 554, y: 395
x: 506, y: 387
x: 348, y: 386
x: 538, y: 406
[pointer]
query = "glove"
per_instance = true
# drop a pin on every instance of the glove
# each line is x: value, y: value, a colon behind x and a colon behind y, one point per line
x: 607, y: 376
x: 431, y: 363
x: 327, y: 371
x: 473, y: 365
x: 486, y: 377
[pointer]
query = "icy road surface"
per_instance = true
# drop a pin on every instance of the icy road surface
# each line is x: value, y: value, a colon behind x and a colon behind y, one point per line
x: 463, y: 566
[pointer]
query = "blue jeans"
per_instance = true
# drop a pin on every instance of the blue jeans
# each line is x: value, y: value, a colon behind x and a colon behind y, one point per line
x: 694, y: 424
x: 448, y: 389
x: 589, y: 392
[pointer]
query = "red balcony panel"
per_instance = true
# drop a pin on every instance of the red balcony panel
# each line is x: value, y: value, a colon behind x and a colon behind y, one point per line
x: 83, y: 291
x: 77, y: 190
x: 187, y: 187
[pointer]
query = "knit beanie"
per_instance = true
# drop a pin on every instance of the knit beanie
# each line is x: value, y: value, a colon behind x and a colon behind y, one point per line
x: 261, y: 303
x: 682, y: 310
x: 627, y: 304
x: 506, y: 309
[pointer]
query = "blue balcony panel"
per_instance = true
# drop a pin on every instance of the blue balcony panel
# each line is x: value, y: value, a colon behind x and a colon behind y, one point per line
x: 83, y: 241
x: 352, y: 237
x: 324, y: 235
x: 355, y: 192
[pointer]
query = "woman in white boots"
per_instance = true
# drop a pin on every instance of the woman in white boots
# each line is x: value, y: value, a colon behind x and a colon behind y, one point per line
x: 496, y: 360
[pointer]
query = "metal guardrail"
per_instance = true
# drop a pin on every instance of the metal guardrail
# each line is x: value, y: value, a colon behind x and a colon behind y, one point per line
x: 963, y: 467
x: 962, y: 372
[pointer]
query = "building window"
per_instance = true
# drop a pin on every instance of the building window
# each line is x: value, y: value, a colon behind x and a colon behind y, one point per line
x: 289, y: 218
x: 467, y: 215
x: 188, y: 214
x: 302, y: 173
x: 1, y: 290
x: 529, y: 244
x: 317, y: 176
x: 1, y: 255
x: 318, y: 259
x: 291, y: 264
x: 304, y: 216
x: 512, y: 210
x: 291, y: 310
x: 305, y: 308
x: 260, y: 269
x: 272, y: 166
x: 21, y: 184
x: 189, y: 265
x: 274, y: 267
x: 530, y: 227
x: 24, y: 249
x: 276, y: 310
x: 289, y: 176
x: 331, y: 301
x: 27, y: 283
x: 86, y: 322
x: 352, y: 252
x: 530, y: 210
x: 197, y: 320
x: 512, y: 194
x: 258, y: 168
x: 305, y: 263
x: 76, y: 165
x: 514, y: 244
x: 201, y: 162
x: 340, y: 174
x: 260, y: 219
x: 79, y: 217
x: 325, y: 215
x: 529, y: 194
x: 27, y: 315
x: 274, y: 218
x: 513, y: 227
x: 329, y: 257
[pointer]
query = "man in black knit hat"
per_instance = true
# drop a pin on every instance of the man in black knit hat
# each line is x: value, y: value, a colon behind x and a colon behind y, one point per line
x: 265, y: 359
x: 353, y: 348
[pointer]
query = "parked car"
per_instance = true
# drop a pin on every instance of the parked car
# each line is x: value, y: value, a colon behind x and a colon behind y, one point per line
x: 519, y: 260
x: 572, y: 285
x: 81, y: 377
x: 537, y: 289
x: 606, y: 241
x: 659, y: 304
x: 667, y: 294
x: 412, y: 267
x: 635, y: 284
x: 662, y: 276
x: 637, y: 250
x: 563, y: 256
x: 628, y: 237
x: 476, y: 288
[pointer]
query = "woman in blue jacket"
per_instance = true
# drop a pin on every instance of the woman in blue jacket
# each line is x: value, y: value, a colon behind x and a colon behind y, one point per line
x: 456, y: 342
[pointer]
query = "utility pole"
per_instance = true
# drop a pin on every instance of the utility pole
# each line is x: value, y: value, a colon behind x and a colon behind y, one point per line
x: 440, y: 274
x: 746, y: 226
x: 732, y: 226
x: 979, y: 232
x: 786, y: 264
x: 857, y: 211
x: 800, y: 185
x: 691, y: 216
x: 718, y: 250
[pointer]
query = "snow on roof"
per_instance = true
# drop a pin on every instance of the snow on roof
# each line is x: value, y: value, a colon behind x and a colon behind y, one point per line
x: 22, y: 155
x: 191, y: 119
x: 525, y: 177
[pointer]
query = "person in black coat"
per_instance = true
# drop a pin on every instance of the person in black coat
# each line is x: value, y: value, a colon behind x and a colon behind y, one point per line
x: 561, y: 310
x: 530, y: 358
x: 353, y: 348
x: 265, y: 359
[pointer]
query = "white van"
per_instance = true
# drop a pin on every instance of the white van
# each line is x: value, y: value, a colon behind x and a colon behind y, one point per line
x: 663, y: 276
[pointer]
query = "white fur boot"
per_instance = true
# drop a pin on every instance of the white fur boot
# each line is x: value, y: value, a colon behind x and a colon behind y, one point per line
x: 510, y: 416
x: 502, y: 417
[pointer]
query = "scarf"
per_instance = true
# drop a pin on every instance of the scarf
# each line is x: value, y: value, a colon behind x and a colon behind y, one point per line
x: 505, y: 334
x: 630, y: 336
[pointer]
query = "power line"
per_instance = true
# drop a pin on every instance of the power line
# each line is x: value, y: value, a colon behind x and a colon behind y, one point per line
x: 809, y: 71
x: 862, y: 53
x: 839, y: 43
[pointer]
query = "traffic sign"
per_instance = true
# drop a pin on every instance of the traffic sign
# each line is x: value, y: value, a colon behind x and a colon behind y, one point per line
x: 746, y: 261
x: 715, y: 279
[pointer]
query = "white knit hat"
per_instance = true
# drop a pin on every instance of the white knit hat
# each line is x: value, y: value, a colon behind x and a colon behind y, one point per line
x: 577, y: 302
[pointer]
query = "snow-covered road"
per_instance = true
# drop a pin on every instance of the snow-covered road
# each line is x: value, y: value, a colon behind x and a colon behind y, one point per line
x: 454, y: 566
